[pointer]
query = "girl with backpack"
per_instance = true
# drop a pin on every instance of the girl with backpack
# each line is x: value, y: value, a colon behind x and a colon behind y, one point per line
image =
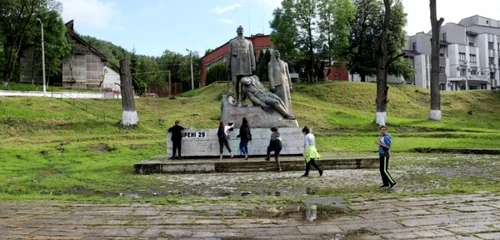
x: 276, y: 146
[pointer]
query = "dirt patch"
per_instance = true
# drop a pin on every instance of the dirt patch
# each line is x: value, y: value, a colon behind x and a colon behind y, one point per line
x: 136, y: 146
x: 101, y: 147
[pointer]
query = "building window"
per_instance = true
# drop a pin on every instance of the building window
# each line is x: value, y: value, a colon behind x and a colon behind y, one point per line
x: 442, y: 69
x: 444, y: 37
x: 441, y: 54
x: 442, y: 86
x: 491, y: 60
x: 490, y: 45
x: 492, y: 76
x: 471, y: 44
x: 472, y: 58
x: 414, y: 46
x: 473, y: 72
x: 463, y: 72
x: 461, y: 56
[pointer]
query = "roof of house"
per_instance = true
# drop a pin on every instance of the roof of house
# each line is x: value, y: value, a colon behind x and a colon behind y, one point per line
x: 76, y: 37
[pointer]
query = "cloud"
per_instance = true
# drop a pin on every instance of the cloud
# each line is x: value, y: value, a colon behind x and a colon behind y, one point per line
x: 227, y: 21
x: 270, y: 3
x: 88, y: 13
x: 220, y: 10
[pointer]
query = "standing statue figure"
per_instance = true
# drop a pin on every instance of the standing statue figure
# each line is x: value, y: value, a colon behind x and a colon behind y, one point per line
x: 261, y: 96
x: 240, y: 62
x: 279, y: 79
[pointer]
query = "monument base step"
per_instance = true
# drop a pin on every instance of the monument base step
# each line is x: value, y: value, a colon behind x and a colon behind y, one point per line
x: 162, y: 164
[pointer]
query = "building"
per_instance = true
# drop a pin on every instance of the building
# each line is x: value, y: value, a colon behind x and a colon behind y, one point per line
x: 469, y: 55
x: 86, y: 67
x: 259, y: 41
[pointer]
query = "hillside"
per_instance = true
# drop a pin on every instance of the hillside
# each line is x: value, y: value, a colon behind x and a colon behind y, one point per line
x: 331, y: 108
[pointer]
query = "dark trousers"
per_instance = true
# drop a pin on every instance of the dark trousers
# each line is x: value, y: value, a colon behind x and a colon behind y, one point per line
x: 176, y: 146
x: 308, y: 166
x: 224, y: 142
x: 384, y: 172
x: 276, y: 155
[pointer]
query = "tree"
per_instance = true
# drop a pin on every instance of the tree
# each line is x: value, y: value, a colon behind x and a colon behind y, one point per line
x: 388, y: 46
x: 335, y: 27
x: 435, y: 113
x: 20, y: 30
x: 129, y: 116
x: 364, y: 28
x: 284, y: 35
x: 262, y: 71
x: 307, y: 22
x: 216, y: 72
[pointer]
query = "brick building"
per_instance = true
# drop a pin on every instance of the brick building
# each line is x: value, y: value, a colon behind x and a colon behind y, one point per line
x: 259, y: 41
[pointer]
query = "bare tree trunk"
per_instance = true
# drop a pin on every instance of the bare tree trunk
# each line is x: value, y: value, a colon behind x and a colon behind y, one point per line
x: 381, y: 46
x: 129, y: 116
x: 435, y: 113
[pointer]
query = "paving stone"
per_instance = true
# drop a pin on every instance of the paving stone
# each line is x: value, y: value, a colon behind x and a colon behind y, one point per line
x: 493, y: 235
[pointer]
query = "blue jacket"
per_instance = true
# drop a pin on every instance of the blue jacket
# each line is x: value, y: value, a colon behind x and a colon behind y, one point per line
x: 386, y: 139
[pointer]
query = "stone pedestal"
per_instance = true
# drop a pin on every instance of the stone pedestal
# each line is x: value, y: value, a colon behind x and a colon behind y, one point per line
x: 205, y: 143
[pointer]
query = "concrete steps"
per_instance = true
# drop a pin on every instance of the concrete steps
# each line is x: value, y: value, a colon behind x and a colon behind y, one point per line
x: 162, y: 165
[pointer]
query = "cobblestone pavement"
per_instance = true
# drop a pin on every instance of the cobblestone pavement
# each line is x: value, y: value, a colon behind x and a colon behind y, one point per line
x: 437, y: 217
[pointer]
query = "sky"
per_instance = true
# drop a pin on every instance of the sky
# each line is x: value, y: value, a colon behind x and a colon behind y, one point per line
x: 153, y: 26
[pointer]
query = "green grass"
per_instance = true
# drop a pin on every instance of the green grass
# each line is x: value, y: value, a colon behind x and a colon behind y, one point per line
x: 74, y: 149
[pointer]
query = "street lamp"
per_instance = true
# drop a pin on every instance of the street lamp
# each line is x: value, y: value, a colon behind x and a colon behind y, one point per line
x: 43, y: 60
x: 192, y: 76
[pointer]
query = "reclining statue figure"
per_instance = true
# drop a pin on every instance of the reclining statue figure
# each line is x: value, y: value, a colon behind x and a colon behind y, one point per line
x: 261, y: 96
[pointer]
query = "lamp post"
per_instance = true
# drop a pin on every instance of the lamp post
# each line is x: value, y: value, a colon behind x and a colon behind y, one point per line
x: 43, y: 59
x: 192, y: 76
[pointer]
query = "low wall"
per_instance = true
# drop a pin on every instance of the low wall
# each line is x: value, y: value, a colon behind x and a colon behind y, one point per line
x: 59, y: 94
x: 205, y: 143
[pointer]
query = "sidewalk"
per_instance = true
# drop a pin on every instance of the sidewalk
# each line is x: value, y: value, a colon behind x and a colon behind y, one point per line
x: 428, y: 217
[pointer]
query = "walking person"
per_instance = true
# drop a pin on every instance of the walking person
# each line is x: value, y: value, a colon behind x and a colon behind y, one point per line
x: 275, y: 145
x: 176, y: 138
x: 222, y: 134
x: 384, y: 148
x: 245, y: 136
x: 310, y: 152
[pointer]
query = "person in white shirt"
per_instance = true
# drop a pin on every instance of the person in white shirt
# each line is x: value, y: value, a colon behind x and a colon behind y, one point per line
x: 310, y: 152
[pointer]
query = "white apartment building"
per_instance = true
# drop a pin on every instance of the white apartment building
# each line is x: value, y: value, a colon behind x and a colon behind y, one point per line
x: 469, y: 55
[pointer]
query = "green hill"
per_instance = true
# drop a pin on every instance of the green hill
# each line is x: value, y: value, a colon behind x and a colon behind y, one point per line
x: 74, y: 148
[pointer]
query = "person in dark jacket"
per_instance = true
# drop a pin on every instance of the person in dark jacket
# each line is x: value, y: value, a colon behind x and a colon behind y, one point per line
x: 245, y: 137
x: 223, y: 136
x: 276, y: 146
x: 176, y: 131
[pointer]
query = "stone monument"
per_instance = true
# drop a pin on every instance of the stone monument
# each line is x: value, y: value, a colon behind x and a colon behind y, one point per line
x: 279, y: 79
x: 240, y: 63
x: 268, y: 110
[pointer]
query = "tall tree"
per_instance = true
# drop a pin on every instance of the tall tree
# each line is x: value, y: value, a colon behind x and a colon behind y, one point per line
x: 307, y: 22
x: 19, y: 29
x: 435, y: 113
x: 364, y: 28
x: 388, y: 47
x: 335, y: 27
x: 129, y: 114
x: 284, y: 33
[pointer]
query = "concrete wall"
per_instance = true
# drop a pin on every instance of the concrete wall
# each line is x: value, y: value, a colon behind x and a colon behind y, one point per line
x: 204, y: 142
x: 111, y: 79
x: 58, y: 94
x: 454, y: 33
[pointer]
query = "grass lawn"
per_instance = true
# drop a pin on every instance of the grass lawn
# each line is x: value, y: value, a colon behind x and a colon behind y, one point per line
x: 73, y: 149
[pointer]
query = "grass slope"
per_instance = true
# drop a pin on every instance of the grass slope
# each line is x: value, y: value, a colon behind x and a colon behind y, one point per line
x: 74, y: 147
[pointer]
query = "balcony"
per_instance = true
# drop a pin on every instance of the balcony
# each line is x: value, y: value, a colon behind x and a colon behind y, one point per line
x: 442, y: 78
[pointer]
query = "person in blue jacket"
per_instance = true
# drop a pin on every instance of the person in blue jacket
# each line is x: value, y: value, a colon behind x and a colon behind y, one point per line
x: 384, y: 151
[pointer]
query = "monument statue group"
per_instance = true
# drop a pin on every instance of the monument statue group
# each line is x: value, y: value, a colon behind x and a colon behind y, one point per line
x: 271, y: 107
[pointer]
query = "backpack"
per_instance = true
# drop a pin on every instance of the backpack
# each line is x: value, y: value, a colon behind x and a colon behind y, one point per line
x: 279, y: 145
x: 220, y: 133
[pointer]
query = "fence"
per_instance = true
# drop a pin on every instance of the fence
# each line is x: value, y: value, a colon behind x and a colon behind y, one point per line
x: 162, y: 90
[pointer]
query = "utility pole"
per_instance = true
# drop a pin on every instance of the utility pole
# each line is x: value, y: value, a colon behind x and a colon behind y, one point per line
x: 43, y: 60
x: 192, y: 75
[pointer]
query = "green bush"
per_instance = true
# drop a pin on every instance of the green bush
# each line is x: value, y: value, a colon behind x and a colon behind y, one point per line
x: 217, y: 72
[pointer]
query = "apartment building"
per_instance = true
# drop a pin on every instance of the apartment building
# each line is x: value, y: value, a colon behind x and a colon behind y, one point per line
x: 469, y: 55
